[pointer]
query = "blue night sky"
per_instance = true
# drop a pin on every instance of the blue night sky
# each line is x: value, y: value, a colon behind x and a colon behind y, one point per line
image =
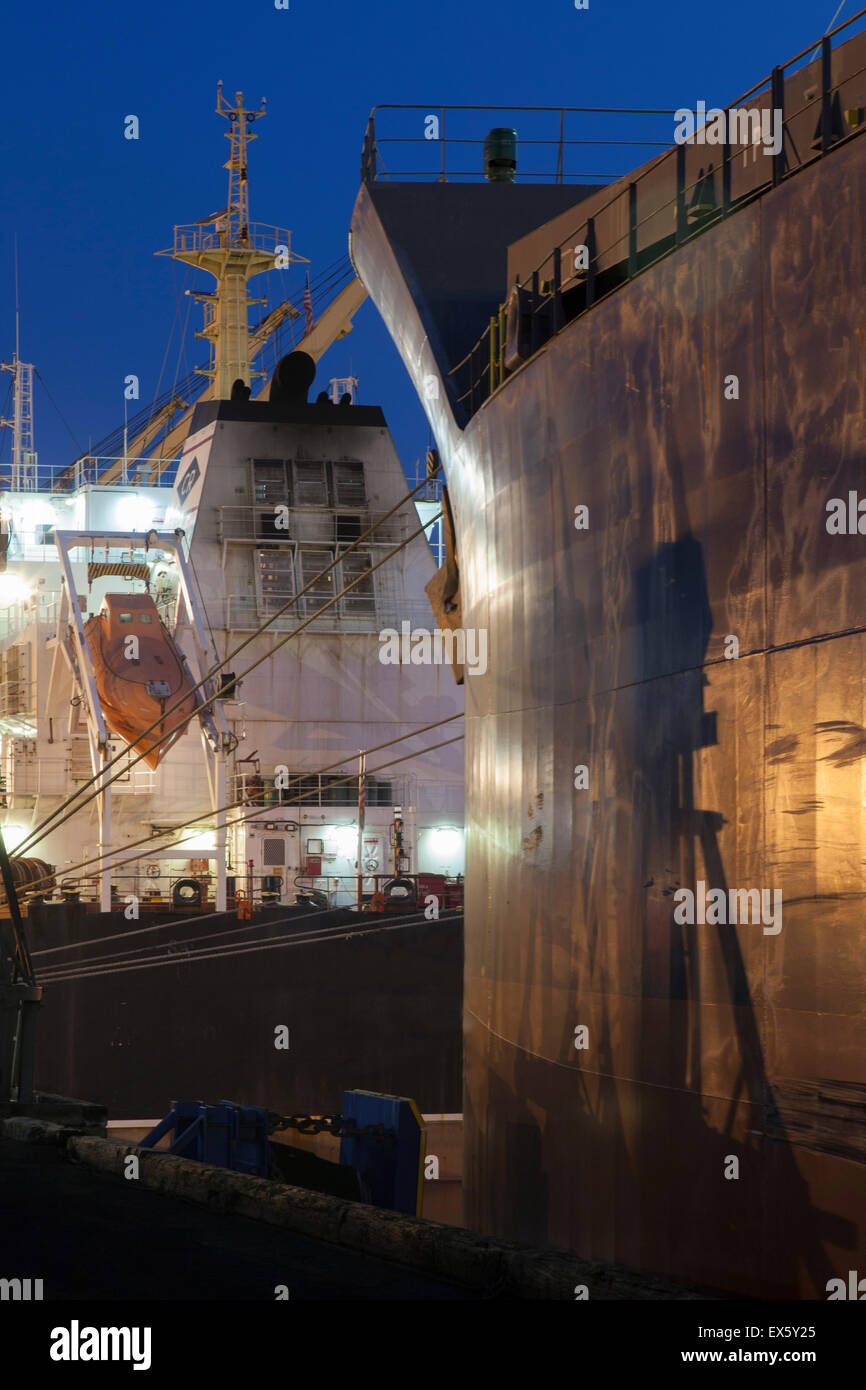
x: 90, y: 208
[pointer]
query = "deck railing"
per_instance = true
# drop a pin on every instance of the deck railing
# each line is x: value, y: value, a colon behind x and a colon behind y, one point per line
x: 619, y: 232
x: 90, y: 470
x: 246, y: 613
x: 310, y: 789
x: 451, y: 145
x: 275, y: 524
x: 195, y: 237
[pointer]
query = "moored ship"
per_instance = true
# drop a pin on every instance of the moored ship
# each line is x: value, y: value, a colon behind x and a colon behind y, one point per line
x: 646, y: 397
x: 216, y: 800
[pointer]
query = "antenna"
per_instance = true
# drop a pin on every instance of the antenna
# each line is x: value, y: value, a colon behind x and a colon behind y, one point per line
x: 21, y: 424
x: 237, y: 224
x: 17, y: 303
x: 233, y: 250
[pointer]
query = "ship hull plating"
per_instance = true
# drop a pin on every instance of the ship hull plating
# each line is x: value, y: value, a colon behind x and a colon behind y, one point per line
x: 708, y: 1124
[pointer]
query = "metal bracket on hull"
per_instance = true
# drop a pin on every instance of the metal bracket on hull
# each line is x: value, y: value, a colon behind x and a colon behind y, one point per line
x: 443, y: 590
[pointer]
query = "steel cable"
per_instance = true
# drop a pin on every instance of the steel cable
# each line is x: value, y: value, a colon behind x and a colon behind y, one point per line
x: 347, y: 930
x: 108, y: 863
x: 40, y: 830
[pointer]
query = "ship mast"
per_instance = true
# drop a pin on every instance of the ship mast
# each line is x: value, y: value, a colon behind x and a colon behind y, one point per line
x: 232, y: 249
x: 21, y: 424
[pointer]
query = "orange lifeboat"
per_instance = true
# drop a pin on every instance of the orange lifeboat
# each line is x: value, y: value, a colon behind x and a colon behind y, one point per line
x: 137, y: 681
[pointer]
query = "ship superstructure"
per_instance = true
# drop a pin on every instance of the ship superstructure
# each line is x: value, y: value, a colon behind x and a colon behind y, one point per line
x: 221, y: 512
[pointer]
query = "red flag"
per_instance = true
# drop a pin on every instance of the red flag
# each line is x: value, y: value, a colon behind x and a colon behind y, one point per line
x: 308, y: 307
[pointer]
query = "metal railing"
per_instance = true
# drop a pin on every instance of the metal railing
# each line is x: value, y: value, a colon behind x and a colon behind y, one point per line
x: 341, y: 890
x: 155, y: 892
x: 278, y: 524
x: 40, y: 608
x: 93, y: 469
x: 151, y: 891
x: 458, y: 156
x: 676, y: 199
x: 196, y: 237
x: 35, y: 775
x: 239, y: 613
x: 246, y: 612
x: 310, y: 789
x: 618, y: 233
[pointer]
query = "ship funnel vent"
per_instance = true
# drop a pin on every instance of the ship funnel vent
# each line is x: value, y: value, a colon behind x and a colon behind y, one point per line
x: 500, y: 155
x: 292, y: 379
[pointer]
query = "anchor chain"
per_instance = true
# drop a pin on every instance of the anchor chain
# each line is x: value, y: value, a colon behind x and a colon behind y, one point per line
x: 337, y: 1125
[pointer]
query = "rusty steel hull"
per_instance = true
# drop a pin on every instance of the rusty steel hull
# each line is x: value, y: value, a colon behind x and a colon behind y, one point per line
x: 608, y: 648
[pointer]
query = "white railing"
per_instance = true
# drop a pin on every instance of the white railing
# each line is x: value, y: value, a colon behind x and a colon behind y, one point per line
x: 245, y: 614
x: 40, y: 608
x: 93, y: 469
x: 334, y: 789
x: 32, y: 775
x: 273, y: 522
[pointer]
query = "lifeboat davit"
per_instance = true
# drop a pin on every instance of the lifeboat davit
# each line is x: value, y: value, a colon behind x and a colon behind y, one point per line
x: 137, y: 681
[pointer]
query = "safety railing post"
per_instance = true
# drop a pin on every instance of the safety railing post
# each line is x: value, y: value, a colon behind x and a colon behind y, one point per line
x: 826, y: 95
x: 372, y: 171
x: 590, y: 274
x: 502, y: 325
x: 682, y: 220
x: 534, y: 321
x: 726, y: 171
x: 777, y: 101
x: 442, y: 176
x: 560, y: 166
x: 558, y: 311
x: 632, y: 230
